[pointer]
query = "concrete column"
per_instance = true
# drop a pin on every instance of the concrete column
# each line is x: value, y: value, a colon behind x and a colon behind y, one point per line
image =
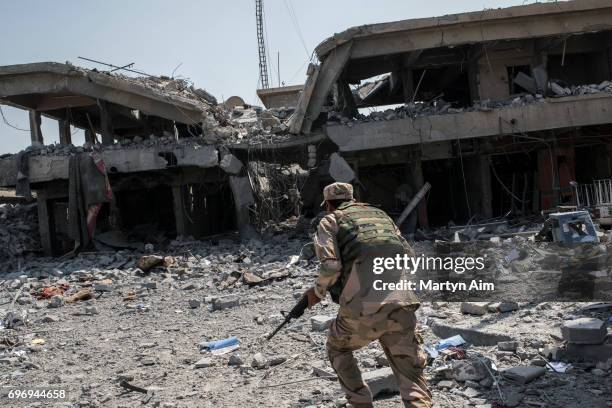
x: 44, y: 223
x: 64, y: 132
x: 179, y: 210
x: 106, y: 124
x: 243, y: 199
x: 35, y: 132
x: 407, y: 85
x: 416, y: 169
x: 486, y: 194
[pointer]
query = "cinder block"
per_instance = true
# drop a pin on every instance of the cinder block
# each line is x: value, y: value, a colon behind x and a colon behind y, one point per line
x: 585, y: 330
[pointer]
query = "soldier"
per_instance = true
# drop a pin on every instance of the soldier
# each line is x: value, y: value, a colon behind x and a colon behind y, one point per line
x: 347, y: 241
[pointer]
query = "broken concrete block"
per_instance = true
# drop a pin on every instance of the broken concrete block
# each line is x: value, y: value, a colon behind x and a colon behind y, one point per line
x: 381, y: 380
x: 476, y: 336
x: 226, y: 302
x: 56, y: 301
x: 102, y: 286
x: 204, y: 363
x: 230, y: 164
x: 469, y: 369
x: 259, y: 361
x: 194, y: 303
x: 148, y: 262
x: 235, y: 360
x: 474, y: 308
x: 446, y: 384
x: 321, y: 322
x: 470, y: 392
x: 585, y: 330
x: 505, y: 307
x: 507, y: 345
x: 523, y: 374
x: 526, y: 82
x: 559, y: 90
x: 91, y: 310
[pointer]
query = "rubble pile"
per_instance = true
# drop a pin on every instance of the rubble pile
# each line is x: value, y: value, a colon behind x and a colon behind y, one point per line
x: 255, y: 125
x: 18, y: 233
x: 185, y: 326
x: 439, y: 106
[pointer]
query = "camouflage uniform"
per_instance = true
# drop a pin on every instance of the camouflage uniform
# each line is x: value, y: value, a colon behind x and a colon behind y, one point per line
x: 346, y: 243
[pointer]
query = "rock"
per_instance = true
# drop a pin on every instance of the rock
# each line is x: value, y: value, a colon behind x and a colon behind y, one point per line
x: 235, y: 360
x: 103, y: 286
x: 259, y: 361
x: 49, y: 319
x: 381, y: 380
x: 226, y: 302
x: 505, y: 307
x: 91, y: 310
x: 148, y: 262
x: 321, y: 322
x: 523, y: 374
x: 149, y: 285
x: 204, y: 363
x: 189, y: 286
x: 276, y: 360
x: 470, y: 392
x: 585, y: 330
x: 56, y: 301
x: 446, y: 384
x: 598, y: 372
x: 469, y: 369
x: 474, y: 308
x: 194, y: 303
x: 507, y: 345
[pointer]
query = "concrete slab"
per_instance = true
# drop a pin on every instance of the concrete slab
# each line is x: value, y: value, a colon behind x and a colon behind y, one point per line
x: 472, y: 334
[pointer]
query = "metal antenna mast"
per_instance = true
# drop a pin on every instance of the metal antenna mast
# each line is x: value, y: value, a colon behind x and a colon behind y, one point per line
x: 261, y: 45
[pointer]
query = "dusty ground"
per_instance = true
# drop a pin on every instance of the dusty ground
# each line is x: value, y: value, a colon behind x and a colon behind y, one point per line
x: 145, y: 331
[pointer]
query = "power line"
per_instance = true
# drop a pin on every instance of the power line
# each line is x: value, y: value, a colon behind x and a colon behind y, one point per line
x: 6, y: 122
x: 296, y: 25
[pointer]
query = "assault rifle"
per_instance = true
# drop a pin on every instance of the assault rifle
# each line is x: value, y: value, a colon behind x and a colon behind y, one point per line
x: 296, y: 312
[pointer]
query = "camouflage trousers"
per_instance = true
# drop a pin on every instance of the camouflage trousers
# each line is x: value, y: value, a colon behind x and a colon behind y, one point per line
x: 395, y: 328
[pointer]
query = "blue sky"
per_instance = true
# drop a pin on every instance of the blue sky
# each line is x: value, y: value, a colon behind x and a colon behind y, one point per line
x: 214, y: 41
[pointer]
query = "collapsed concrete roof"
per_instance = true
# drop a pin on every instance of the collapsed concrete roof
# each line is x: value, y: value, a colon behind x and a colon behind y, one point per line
x: 50, y: 87
x: 370, y: 50
x: 536, y: 20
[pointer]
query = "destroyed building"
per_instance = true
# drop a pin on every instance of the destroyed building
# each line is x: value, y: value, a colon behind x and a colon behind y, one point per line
x: 500, y: 111
x: 162, y: 165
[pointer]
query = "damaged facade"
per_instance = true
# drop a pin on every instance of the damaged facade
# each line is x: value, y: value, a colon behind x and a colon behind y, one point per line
x: 500, y: 111
x: 153, y: 140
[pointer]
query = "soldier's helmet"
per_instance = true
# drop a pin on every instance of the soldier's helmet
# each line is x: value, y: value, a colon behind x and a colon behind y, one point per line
x: 337, y: 191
